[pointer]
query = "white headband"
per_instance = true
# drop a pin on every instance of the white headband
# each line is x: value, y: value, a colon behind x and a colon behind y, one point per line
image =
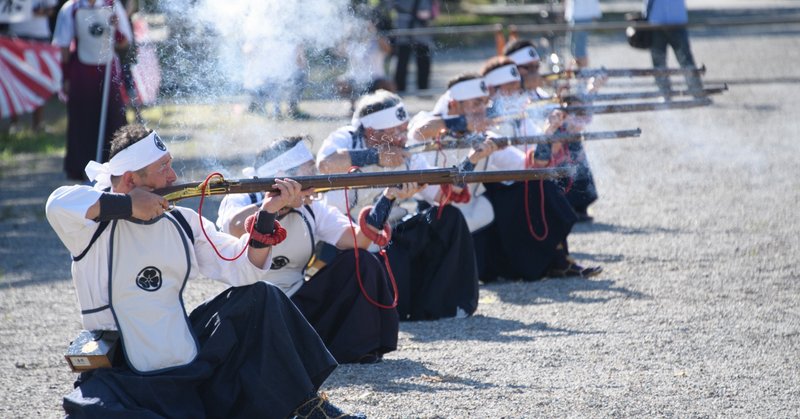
x: 524, y: 55
x: 502, y: 75
x: 384, y: 119
x: 442, y: 104
x: 136, y: 156
x: 469, y: 89
x: 292, y: 158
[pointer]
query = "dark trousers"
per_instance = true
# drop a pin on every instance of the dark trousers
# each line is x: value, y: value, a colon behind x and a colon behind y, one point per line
x: 678, y: 39
x: 258, y: 357
x: 506, y: 248
x: 337, y: 307
x: 433, y: 261
x: 422, y: 52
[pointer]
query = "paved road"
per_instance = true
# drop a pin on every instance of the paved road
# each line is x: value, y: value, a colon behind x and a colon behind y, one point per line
x: 696, y: 314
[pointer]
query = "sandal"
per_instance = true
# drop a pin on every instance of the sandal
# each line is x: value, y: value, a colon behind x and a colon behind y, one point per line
x: 575, y: 270
x: 320, y: 407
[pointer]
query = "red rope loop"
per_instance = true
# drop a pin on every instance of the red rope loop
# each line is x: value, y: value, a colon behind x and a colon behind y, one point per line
x: 277, y: 236
x: 459, y: 198
x: 358, y: 268
x: 382, y: 237
x: 528, y: 165
x: 447, y: 190
x: 203, y: 187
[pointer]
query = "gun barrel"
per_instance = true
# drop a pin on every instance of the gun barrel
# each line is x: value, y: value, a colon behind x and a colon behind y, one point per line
x: 651, y: 94
x: 457, y: 143
x: 568, y: 138
x: 324, y: 183
x: 623, y: 72
x: 638, y: 107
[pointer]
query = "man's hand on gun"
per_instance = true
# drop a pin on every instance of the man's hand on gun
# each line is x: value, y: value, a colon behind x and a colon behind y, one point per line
x: 402, y: 192
x: 286, y: 193
x: 146, y: 205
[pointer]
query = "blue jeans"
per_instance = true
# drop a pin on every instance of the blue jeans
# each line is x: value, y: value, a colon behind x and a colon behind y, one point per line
x: 678, y: 39
x: 578, y: 41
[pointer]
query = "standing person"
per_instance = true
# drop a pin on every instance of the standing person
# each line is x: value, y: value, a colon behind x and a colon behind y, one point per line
x: 671, y: 12
x: 366, y: 52
x: 94, y: 25
x: 128, y: 58
x: 351, y: 310
x: 247, y: 352
x: 271, y: 90
x: 580, y: 11
x: 35, y: 29
x: 430, y: 252
x: 412, y: 14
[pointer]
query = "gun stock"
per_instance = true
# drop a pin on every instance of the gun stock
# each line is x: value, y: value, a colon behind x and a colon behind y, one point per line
x: 324, y: 183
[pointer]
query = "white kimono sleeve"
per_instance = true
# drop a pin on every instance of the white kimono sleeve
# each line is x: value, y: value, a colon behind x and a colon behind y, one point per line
x: 341, y: 139
x: 66, y: 212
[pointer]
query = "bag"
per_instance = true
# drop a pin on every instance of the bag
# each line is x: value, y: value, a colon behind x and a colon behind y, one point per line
x: 638, y: 38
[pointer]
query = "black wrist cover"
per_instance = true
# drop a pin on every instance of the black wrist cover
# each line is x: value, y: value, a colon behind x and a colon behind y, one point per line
x: 380, y: 212
x: 114, y: 206
x: 466, y: 166
x: 457, y: 124
x: 265, y: 222
x: 363, y: 158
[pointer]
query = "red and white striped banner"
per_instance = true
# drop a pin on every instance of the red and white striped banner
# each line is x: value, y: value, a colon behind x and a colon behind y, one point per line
x: 30, y: 73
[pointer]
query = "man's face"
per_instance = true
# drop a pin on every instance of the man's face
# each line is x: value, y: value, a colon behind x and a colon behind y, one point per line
x: 306, y: 169
x: 530, y: 74
x: 383, y: 138
x: 475, y: 106
x: 512, y: 88
x: 158, y: 174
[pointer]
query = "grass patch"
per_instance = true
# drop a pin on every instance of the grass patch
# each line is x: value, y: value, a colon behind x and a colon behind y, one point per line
x: 29, y: 141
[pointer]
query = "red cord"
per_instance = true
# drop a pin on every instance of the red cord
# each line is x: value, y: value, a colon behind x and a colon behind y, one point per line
x: 203, y: 187
x: 273, y: 239
x: 358, y: 268
x: 444, y: 200
x: 528, y: 165
x: 381, y: 238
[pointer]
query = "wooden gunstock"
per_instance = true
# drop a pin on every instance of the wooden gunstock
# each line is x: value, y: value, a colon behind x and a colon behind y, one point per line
x: 324, y: 183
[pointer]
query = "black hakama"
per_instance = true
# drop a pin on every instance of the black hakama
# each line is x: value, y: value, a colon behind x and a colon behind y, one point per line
x: 433, y: 261
x: 507, y: 248
x: 83, y: 114
x: 258, y: 357
x: 350, y: 325
x: 581, y: 191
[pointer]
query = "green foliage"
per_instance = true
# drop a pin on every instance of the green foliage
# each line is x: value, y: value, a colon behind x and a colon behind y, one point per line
x: 29, y: 141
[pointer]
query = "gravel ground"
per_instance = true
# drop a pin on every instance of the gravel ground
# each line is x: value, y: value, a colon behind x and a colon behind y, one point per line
x: 695, y: 315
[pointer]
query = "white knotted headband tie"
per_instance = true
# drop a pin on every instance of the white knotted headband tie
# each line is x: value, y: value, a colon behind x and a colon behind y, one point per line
x: 136, y: 156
